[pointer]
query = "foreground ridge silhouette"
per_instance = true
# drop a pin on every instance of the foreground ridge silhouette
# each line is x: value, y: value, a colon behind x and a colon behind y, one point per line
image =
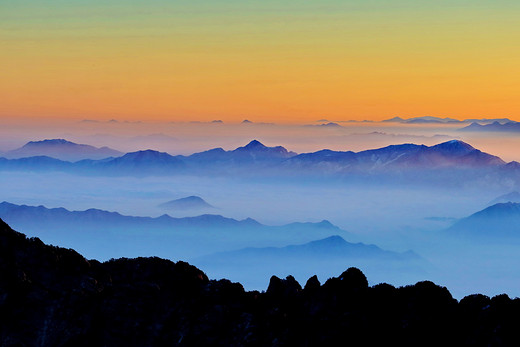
x: 51, y: 296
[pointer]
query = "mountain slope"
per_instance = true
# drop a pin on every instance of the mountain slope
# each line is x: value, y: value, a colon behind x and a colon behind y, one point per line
x: 140, y: 163
x: 496, y: 222
x: 41, y: 163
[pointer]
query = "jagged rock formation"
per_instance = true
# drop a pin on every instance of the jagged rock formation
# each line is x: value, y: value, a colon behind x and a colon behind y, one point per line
x: 51, y: 296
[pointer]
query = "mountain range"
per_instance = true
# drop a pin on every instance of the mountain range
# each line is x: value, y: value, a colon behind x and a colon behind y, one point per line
x: 104, y: 235
x: 496, y: 126
x: 256, y: 158
x: 453, y: 153
x: 445, y: 120
x: 323, y: 257
x: 61, y: 149
x: 220, y: 245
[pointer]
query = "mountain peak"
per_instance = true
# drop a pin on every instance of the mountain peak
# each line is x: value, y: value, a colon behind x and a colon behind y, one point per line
x: 148, y: 160
x: 255, y: 144
x: 190, y: 202
x: 49, y: 142
x: 258, y: 150
x: 455, y: 146
x: 513, y: 164
x: 146, y: 154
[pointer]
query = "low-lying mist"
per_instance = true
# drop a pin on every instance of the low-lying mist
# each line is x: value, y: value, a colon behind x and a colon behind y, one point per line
x: 395, y: 218
x: 397, y: 212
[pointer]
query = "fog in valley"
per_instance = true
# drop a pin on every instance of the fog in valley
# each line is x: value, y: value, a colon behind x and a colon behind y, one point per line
x: 395, y: 211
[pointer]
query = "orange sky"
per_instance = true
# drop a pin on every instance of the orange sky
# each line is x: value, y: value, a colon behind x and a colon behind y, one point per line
x: 264, y: 61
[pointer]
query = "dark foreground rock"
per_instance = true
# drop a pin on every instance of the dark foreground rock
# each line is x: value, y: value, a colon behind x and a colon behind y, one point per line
x: 51, y: 296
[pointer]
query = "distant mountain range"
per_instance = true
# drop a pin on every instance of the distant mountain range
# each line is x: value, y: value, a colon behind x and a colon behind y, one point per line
x: 496, y: 126
x: 497, y: 222
x: 102, y: 234
x: 445, y: 120
x: 61, y: 149
x: 452, y: 153
x: 325, y: 125
x: 253, y: 152
x: 137, y: 163
x: 256, y: 159
x: 331, y: 247
x: 32, y: 216
x: 149, y: 162
x: 321, y: 257
x: 187, y: 203
x: 222, y: 245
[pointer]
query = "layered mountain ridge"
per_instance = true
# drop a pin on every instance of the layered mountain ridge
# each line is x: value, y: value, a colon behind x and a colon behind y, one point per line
x: 256, y: 158
x: 103, y: 235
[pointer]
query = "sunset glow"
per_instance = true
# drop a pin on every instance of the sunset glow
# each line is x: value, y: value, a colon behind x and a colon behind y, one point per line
x: 288, y: 61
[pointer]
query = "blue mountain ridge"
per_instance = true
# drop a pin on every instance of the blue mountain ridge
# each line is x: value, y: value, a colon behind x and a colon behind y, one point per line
x: 496, y: 126
x: 255, y: 157
x: 188, y: 203
x: 495, y: 222
x: 330, y: 247
x: 102, y: 234
x: 61, y: 149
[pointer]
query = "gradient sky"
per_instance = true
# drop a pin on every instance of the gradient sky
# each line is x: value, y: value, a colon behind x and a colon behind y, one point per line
x: 284, y: 60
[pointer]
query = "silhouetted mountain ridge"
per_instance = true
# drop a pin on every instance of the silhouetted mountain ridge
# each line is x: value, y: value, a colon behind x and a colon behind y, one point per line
x: 50, y: 296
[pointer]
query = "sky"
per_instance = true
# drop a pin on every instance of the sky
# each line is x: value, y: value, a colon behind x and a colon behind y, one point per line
x: 285, y: 61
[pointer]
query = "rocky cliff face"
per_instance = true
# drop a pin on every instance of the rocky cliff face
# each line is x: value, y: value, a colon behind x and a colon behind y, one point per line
x: 51, y: 296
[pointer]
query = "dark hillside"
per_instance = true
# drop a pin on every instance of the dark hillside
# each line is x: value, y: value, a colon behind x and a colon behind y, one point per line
x: 52, y: 296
